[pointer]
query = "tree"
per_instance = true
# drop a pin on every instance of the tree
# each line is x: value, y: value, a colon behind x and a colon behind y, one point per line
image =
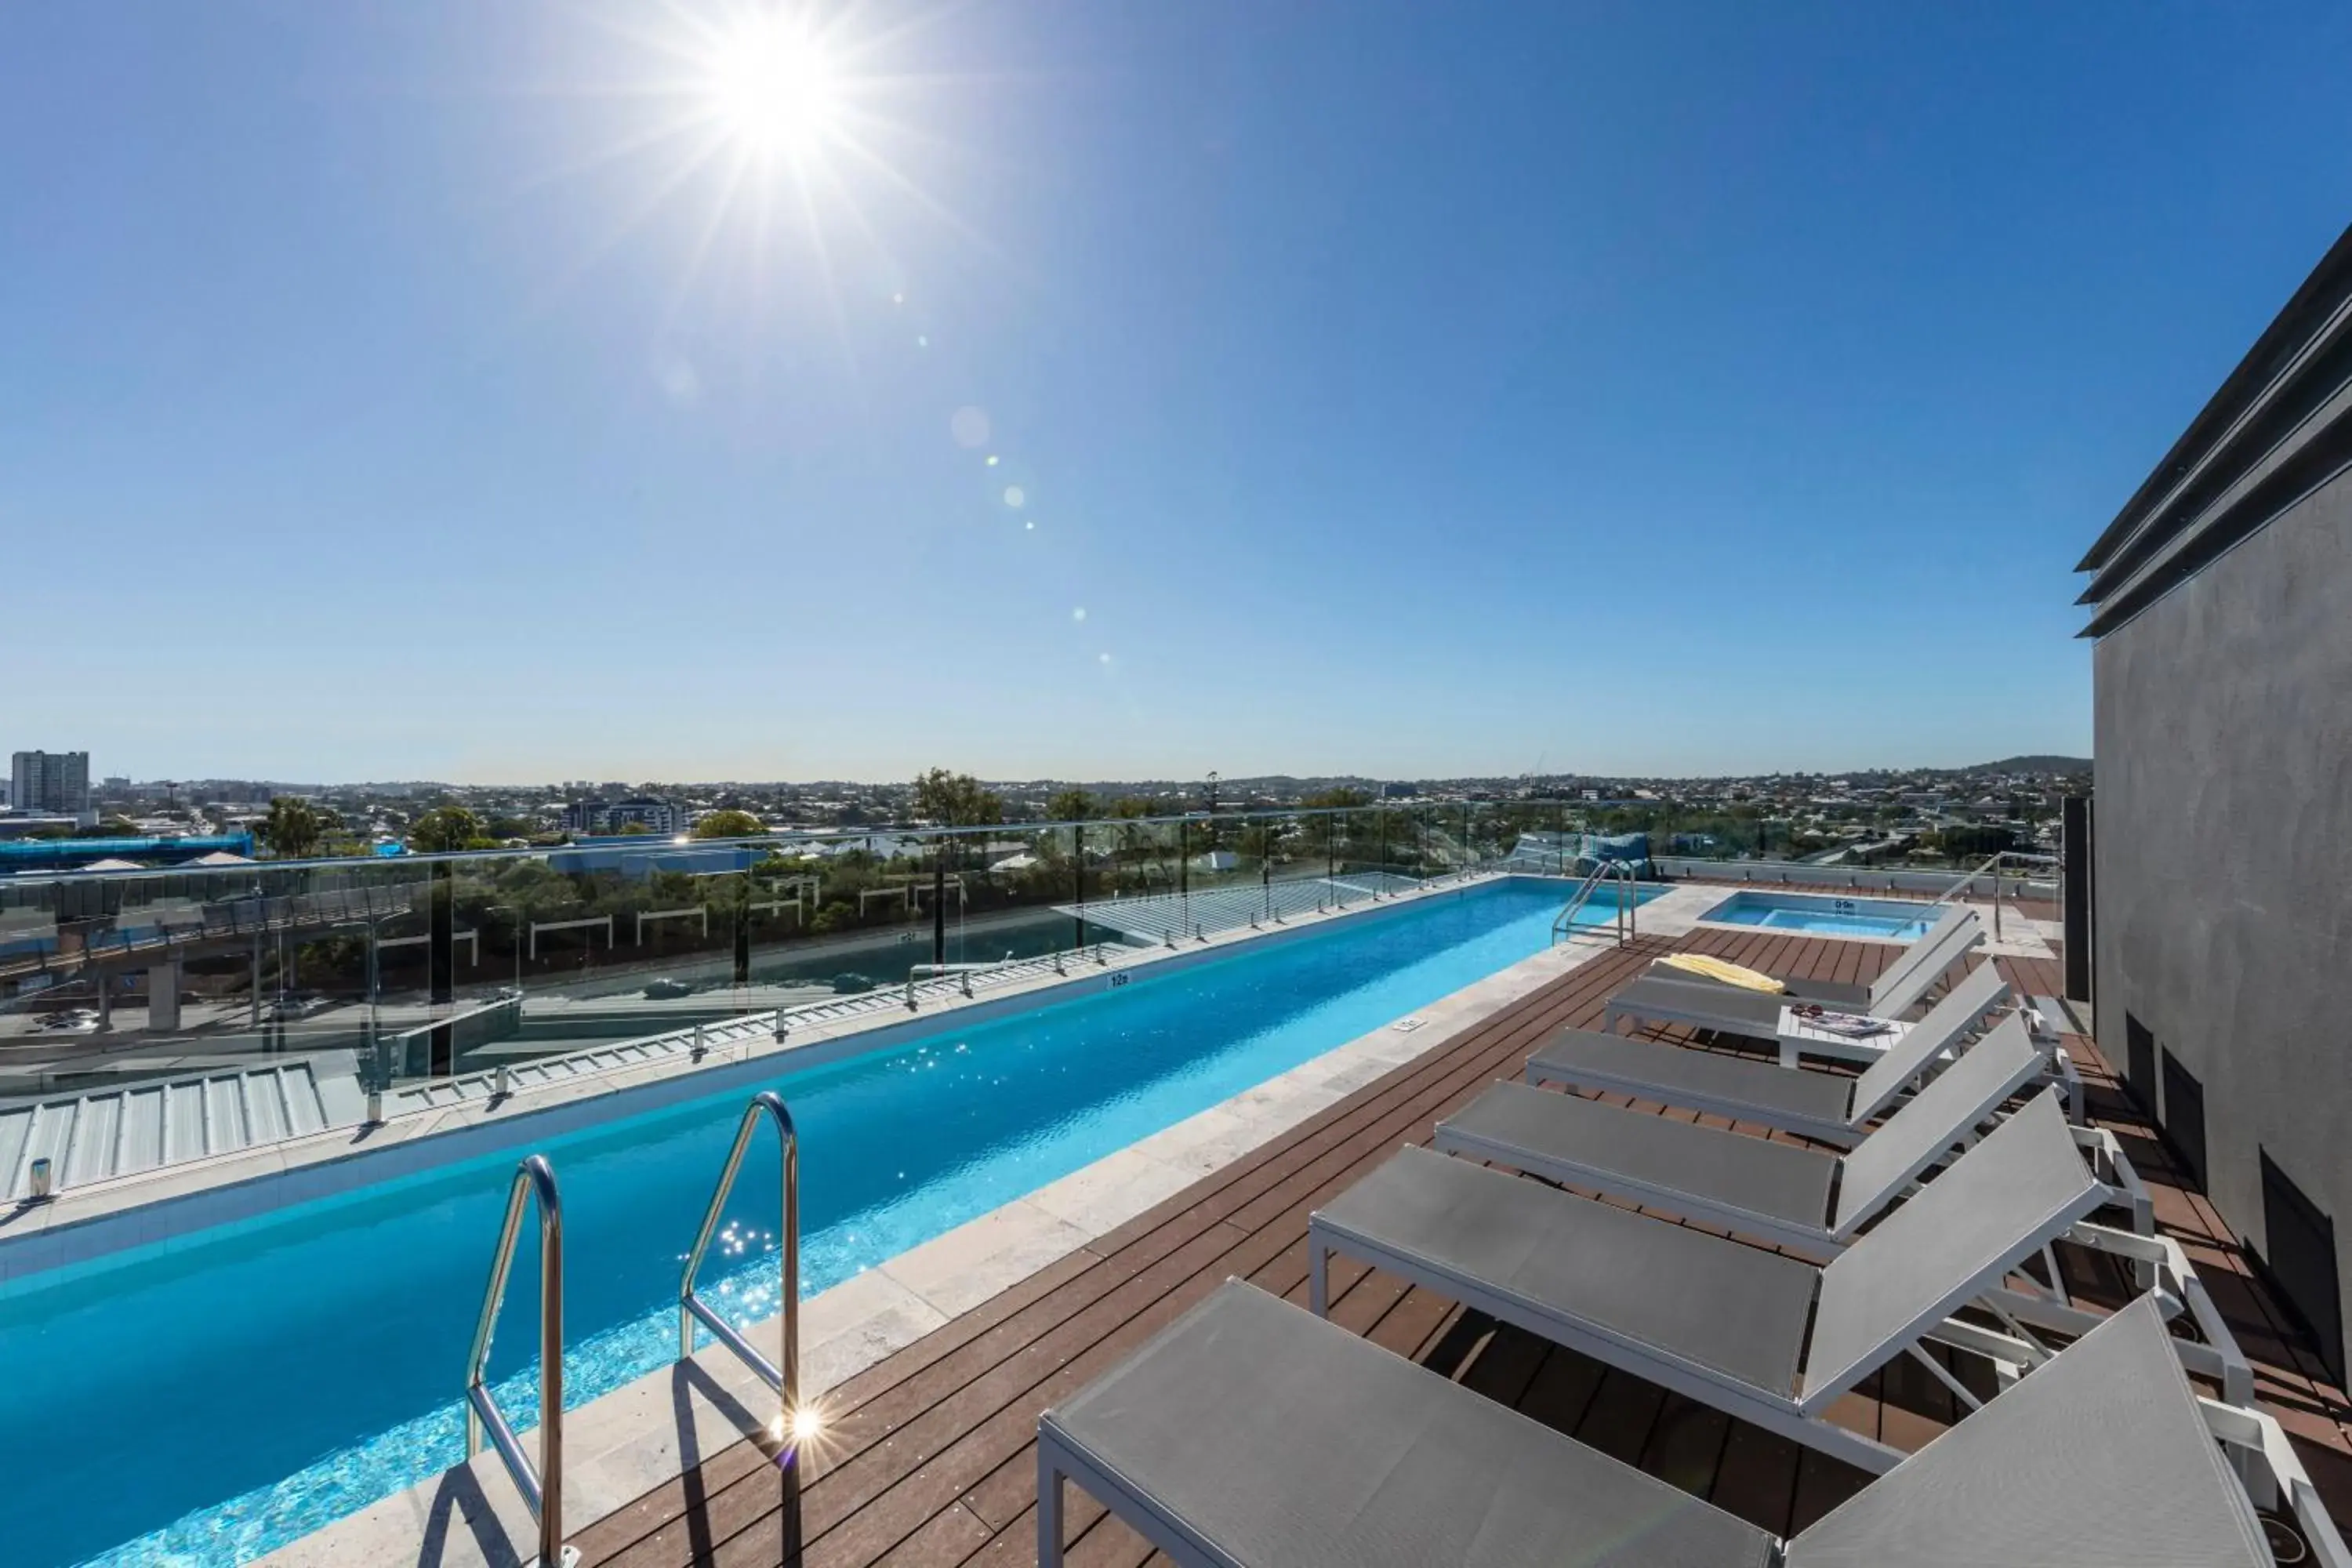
x: 445, y: 827
x: 1071, y: 804
x: 292, y: 828
x: 728, y: 824
x: 955, y: 800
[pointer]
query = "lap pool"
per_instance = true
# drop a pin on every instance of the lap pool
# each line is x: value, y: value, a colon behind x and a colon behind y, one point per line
x: 203, y: 1401
x: 1821, y: 914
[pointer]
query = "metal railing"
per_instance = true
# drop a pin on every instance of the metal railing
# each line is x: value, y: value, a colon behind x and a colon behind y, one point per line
x: 793, y: 1422
x: 1992, y: 863
x: 542, y: 1487
x: 964, y: 971
x: 1620, y: 874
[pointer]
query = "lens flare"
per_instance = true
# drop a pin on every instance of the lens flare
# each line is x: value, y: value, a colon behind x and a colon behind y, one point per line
x: 772, y: 87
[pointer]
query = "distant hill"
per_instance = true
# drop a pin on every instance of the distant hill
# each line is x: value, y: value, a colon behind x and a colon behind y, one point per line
x: 2034, y: 765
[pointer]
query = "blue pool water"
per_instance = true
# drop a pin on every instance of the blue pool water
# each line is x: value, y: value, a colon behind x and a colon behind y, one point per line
x: 1821, y: 914
x: 204, y: 1404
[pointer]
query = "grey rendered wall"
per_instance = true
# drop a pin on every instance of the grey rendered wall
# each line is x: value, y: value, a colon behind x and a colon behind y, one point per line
x: 2223, y: 773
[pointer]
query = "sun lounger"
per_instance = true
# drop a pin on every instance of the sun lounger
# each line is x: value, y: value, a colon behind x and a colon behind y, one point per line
x: 1677, y: 996
x: 1716, y: 1319
x: 1829, y: 1106
x: 1937, y: 949
x: 1777, y: 1193
x: 1250, y: 1435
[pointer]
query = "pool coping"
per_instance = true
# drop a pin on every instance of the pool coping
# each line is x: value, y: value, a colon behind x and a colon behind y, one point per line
x: 656, y: 1428
x: 87, y: 1225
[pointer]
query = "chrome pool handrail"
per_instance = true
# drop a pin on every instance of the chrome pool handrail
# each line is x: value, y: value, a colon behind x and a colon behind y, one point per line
x: 784, y: 1379
x: 1621, y: 873
x: 542, y: 1486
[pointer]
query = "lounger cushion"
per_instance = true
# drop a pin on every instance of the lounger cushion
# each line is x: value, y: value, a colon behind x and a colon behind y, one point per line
x: 1282, y: 1440
x: 1589, y: 1057
x: 1558, y: 1135
x: 1567, y: 1260
x: 2099, y: 1459
x: 1829, y: 992
x: 1701, y: 1002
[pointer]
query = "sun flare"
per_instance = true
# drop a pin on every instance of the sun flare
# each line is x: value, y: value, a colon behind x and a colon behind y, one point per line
x: 771, y: 87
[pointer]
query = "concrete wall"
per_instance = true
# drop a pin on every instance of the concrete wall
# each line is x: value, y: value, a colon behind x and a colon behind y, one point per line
x: 2223, y: 720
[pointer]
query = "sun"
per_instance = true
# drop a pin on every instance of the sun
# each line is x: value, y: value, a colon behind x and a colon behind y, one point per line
x: 771, y: 87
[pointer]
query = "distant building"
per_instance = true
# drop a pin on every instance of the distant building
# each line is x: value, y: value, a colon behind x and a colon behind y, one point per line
x: 651, y: 814
x: 50, y: 780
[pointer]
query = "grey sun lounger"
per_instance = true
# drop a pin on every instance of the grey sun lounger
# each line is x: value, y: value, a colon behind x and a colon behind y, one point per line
x: 1937, y: 948
x: 1830, y: 1106
x: 1250, y: 1435
x: 1777, y: 1193
x: 1772, y: 1340
x: 1670, y: 996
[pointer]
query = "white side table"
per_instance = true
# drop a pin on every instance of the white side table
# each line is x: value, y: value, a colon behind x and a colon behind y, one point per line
x: 1801, y: 1037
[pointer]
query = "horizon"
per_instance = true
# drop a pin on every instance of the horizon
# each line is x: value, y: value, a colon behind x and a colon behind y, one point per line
x: 593, y: 391
x: 2023, y: 761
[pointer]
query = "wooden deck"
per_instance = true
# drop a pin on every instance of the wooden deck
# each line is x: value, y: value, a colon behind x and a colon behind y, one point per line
x: 928, y: 1457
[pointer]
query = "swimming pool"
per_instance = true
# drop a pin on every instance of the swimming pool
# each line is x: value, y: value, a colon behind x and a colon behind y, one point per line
x: 1894, y: 919
x: 204, y: 1401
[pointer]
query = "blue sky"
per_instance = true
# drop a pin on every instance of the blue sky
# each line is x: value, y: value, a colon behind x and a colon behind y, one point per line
x: 457, y: 391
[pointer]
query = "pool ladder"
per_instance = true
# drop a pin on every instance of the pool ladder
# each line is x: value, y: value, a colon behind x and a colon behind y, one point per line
x: 1613, y: 871
x: 793, y: 1422
x: 541, y: 1483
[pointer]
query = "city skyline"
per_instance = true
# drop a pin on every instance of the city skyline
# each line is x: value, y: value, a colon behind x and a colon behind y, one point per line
x: 1077, y: 393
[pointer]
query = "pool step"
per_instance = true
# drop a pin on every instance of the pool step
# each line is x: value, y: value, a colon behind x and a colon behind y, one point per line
x: 95, y: 1136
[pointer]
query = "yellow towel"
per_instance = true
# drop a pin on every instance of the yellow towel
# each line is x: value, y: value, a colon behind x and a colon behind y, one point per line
x: 1717, y: 969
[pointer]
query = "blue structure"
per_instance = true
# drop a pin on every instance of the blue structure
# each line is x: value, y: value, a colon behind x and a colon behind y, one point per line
x: 22, y: 854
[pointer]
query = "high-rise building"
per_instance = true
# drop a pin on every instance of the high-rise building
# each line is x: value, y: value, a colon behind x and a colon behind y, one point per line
x: 648, y: 814
x: 50, y: 780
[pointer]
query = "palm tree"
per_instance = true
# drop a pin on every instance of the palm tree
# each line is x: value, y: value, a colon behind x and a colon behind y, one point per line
x: 291, y: 827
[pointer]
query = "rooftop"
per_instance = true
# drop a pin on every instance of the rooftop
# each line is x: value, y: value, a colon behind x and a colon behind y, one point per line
x: 930, y: 1455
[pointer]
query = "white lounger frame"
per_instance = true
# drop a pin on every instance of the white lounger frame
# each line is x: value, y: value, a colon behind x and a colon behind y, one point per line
x: 2120, y: 1184
x: 1801, y: 1418
x: 2062, y: 1073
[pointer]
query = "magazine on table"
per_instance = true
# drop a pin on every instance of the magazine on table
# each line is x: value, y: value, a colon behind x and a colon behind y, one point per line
x: 1852, y: 1025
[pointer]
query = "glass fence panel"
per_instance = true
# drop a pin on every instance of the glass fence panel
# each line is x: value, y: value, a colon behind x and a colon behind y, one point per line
x: 413, y: 966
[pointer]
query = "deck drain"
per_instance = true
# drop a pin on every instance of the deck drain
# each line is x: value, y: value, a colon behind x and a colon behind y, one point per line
x: 1407, y: 1026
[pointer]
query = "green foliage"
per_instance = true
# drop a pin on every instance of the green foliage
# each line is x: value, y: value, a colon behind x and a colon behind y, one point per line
x: 109, y: 827
x: 955, y: 800
x: 1071, y: 804
x: 293, y: 828
x: 728, y: 824
x: 445, y: 827
x: 1128, y: 807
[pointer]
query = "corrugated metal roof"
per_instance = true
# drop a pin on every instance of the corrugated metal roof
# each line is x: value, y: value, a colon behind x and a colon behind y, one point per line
x: 113, y: 1133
